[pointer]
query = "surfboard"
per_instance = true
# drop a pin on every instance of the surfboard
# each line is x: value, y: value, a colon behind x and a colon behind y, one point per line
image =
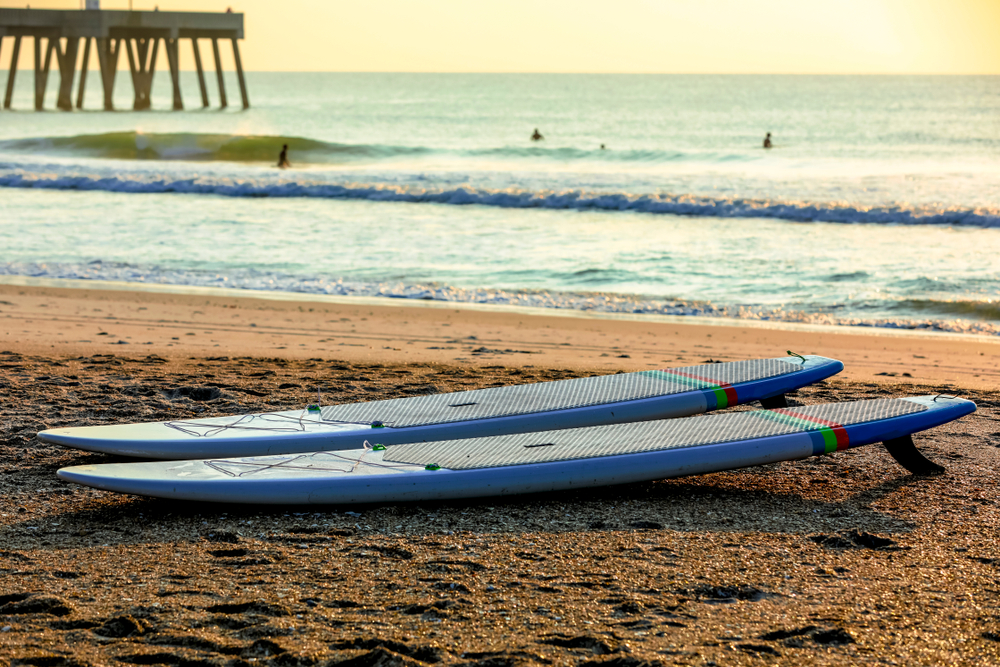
x: 607, y: 399
x: 535, y: 462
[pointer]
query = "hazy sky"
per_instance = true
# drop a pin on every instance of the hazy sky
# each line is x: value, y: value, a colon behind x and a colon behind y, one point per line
x: 719, y: 36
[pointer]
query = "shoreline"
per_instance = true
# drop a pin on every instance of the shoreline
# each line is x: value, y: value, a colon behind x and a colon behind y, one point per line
x: 173, y: 321
x: 609, y: 305
x: 278, y: 295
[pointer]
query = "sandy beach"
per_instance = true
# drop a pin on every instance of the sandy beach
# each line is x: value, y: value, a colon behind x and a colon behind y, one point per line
x: 841, y: 559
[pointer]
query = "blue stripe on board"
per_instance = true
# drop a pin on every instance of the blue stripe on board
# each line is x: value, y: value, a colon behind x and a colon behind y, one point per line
x: 818, y: 442
x: 711, y: 399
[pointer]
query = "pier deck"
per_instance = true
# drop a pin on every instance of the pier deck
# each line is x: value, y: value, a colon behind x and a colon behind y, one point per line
x: 59, y: 33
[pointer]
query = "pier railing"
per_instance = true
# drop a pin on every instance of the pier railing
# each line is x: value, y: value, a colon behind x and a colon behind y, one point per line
x: 59, y: 33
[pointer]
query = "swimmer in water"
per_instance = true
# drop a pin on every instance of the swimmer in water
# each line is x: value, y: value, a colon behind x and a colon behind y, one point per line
x: 283, y: 162
x: 767, y: 140
x: 537, y: 136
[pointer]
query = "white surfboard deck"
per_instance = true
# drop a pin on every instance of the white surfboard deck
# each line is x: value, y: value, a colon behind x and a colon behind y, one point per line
x: 608, y: 399
x: 530, y: 462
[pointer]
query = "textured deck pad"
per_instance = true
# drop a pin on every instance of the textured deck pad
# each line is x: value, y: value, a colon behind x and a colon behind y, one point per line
x: 596, y: 441
x: 559, y: 395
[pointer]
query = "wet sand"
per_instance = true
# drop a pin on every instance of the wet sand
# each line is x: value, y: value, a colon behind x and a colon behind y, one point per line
x: 85, y: 317
x: 841, y: 559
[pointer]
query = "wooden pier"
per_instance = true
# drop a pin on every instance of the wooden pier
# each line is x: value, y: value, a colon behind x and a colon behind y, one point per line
x: 59, y: 33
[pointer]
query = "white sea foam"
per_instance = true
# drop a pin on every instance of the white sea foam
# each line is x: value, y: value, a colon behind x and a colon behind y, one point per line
x: 684, y: 205
x: 603, y: 302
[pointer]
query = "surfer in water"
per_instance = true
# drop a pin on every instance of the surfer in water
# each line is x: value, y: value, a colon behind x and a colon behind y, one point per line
x: 283, y: 162
x: 767, y: 140
x: 537, y: 136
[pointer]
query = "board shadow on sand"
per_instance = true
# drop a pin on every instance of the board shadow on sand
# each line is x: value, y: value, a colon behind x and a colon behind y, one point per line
x: 713, y: 503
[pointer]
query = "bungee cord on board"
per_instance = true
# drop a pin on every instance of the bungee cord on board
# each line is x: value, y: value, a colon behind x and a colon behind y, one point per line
x: 289, y: 423
x: 220, y: 465
x: 299, y: 424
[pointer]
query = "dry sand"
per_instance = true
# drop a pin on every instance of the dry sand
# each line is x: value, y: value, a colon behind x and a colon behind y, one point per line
x: 841, y: 559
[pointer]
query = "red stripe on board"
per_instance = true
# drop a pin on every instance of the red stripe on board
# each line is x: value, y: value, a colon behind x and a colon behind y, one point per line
x: 843, y: 441
x: 838, y: 429
x: 731, y: 396
x: 808, y: 418
x: 697, y: 377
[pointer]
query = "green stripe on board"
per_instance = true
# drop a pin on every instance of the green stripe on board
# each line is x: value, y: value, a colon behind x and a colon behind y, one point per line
x: 721, y: 399
x: 829, y: 437
x: 680, y: 379
x: 781, y: 418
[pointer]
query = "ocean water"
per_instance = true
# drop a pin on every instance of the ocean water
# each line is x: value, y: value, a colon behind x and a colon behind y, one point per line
x: 879, y: 204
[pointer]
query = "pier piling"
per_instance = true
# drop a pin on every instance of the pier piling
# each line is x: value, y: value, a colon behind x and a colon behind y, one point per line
x: 42, y: 70
x: 107, y: 60
x: 173, y: 60
x: 58, y: 33
x: 142, y: 67
x: 83, y: 72
x: 13, y: 71
x: 201, y: 72
x: 66, y: 59
x: 239, y: 75
x: 218, y: 74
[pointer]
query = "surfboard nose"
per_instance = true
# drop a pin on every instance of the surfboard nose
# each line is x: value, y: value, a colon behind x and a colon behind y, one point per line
x: 56, y: 436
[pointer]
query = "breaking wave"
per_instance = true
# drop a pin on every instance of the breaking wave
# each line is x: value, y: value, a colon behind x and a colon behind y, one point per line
x: 978, y: 310
x: 236, y: 148
x: 684, y: 205
x: 200, y: 147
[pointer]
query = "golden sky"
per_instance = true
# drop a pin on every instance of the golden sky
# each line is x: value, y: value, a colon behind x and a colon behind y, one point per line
x: 662, y: 36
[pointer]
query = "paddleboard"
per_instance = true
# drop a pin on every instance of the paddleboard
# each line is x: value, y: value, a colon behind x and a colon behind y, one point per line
x: 533, y: 462
x: 607, y: 399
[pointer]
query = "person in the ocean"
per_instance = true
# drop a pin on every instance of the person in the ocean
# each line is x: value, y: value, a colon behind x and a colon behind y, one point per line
x: 537, y: 136
x: 283, y: 157
x: 767, y: 140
